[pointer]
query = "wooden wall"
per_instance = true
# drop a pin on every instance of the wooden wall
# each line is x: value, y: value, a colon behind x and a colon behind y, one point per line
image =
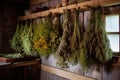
x: 7, y: 28
x: 12, y: 73
x: 9, y: 10
x: 48, y: 76
x: 32, y: 73
x: 1, y: 28
x: 7, y: 25
x: 105, y: 72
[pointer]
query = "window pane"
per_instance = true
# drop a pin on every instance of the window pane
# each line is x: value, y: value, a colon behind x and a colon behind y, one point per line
x: 112, y: 23
x: 114, y: 42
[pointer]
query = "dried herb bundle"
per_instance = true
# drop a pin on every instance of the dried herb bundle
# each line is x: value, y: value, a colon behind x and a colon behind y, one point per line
x: 26, y: 38
x: 56, y: 32
x: 64, y: 50
x: 22, y: 39
x: 95, y: 48
x: 41, y: 37
x: 77, y: 37
x: 15, y: 41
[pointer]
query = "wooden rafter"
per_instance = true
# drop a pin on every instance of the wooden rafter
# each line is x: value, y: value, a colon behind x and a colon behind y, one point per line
x: 60, y: 10
x: 34, y: 2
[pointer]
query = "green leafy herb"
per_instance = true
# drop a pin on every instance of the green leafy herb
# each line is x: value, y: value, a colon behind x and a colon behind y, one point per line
x: 15, y: 41
x: 63, y: 52
x: 77, y: 37
x: 95, y: 49
x: 26, y: 38
x: 41, y: 36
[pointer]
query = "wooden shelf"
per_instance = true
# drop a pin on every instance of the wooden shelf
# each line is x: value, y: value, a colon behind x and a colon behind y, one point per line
x: 12, y: 60
x: 60, y: 10
x: 62, y: 73
x: 22, y: 63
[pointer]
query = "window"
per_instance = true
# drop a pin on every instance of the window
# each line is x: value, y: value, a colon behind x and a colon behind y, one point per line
x: 112, y: 23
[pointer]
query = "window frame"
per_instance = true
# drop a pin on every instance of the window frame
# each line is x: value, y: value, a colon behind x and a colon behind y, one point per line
x: 118, y: 33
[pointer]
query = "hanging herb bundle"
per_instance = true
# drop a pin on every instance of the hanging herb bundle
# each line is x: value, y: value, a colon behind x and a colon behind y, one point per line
x: 56, y: 32
x: 63, y: 52
x: 36, y: 29
x: 77, y: 37
x: 41, y: 37
x: 26, y: 37
x: 95, y: 48
x: 15, y: 41
x: 22, y: 39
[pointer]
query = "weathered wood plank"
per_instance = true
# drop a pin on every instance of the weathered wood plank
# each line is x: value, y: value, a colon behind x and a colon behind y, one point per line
x: 18, y: 64
x: 60, y: 10
x: 109, y: 2
x: 33, y: 2
x: 62, y: 73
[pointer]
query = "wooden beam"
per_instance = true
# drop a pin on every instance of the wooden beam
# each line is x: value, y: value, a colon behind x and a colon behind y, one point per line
x: 22, y: 63
x: 62, y: 73
x: 34, y: 2
x: 60, y: 10
x: 109, y: 2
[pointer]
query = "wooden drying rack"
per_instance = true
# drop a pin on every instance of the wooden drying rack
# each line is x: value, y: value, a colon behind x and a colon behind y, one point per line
x: 62, y: 73
x: 60, y: 9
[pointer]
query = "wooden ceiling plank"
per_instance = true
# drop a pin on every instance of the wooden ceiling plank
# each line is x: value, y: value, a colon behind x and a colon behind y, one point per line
x: 60, y: 10
x: 34, y: 2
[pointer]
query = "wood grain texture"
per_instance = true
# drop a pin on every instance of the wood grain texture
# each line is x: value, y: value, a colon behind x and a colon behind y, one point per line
x: 1, y: 28
x: 48, y: 76
x: 109, y: 2
x: 31, y: 73
x: 33, y: 2
x: 62, y: 73
x: 60, y: 10
x: 18, y: 64
x: 111, y: 72
x: 12, y: 73
x: 7, y: 25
